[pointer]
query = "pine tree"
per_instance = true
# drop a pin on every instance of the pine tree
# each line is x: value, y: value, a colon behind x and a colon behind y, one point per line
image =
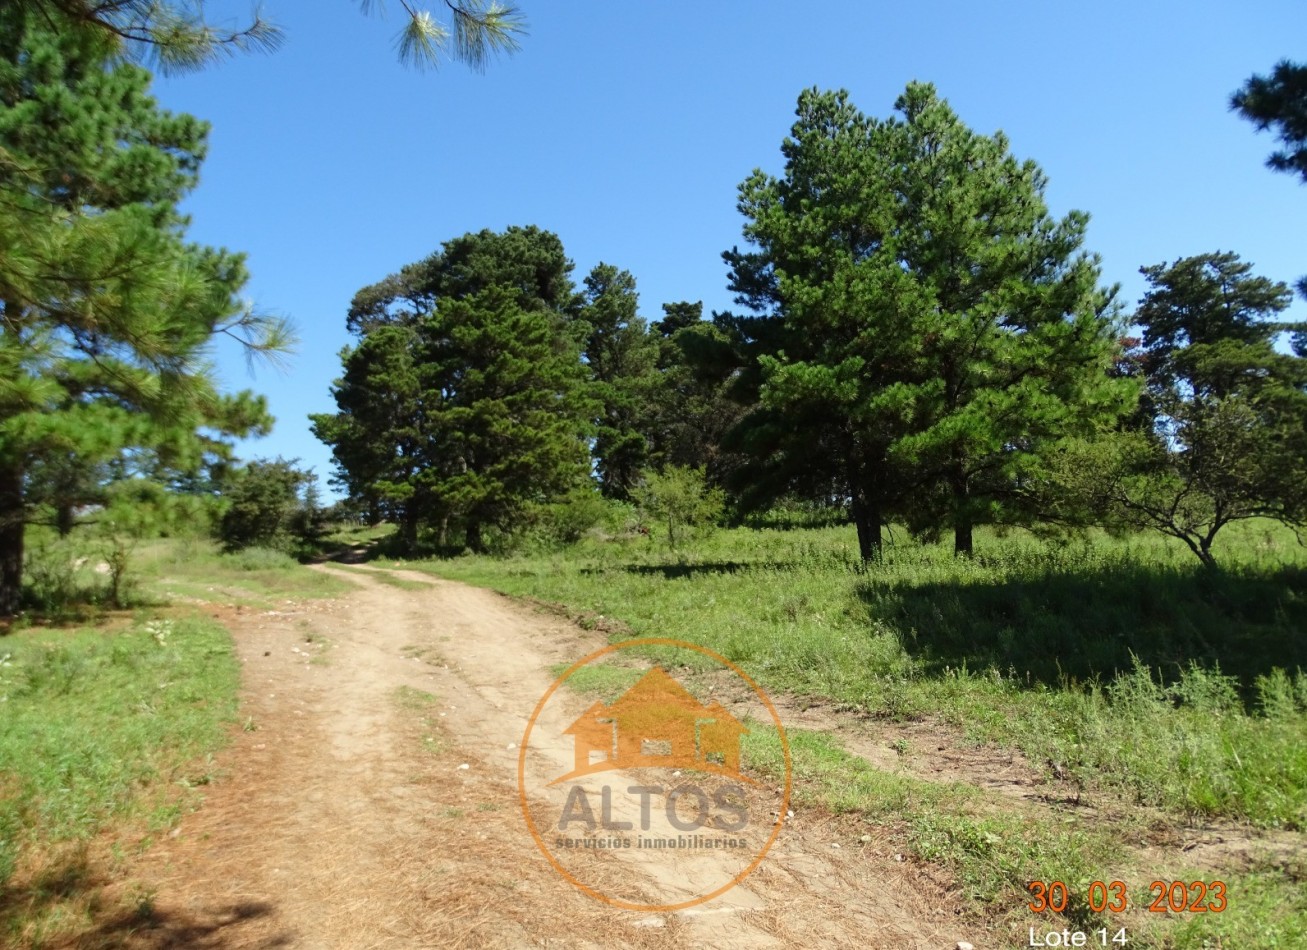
x: 263, y: 504
x: 381, y: 437
x: 690, y: 406
x: 106, y: 311
x: 466, y: 400
x: 514, y: 411
x: 1279, y: 102
x: 923, y: 328
x: 1016, y: 339
x: 526, y: 260
x: 621, y: 355
x: 177, y: 36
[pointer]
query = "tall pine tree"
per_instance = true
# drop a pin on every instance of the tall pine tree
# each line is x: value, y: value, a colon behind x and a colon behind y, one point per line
x: 106, y: 311
x: 465, y: 400
x: 621, y: 354
x: 923, y: 328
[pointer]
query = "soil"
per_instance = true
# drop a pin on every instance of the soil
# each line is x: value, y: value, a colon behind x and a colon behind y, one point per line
x: 369, y: 799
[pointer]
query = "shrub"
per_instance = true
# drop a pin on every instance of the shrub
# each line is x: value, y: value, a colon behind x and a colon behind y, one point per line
x: 680, y: 498
x: 264, y: 507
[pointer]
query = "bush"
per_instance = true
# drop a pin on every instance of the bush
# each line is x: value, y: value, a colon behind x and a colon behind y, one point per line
x: 53, y: 581
x: 680, y: 498
x: 261, y: 559
x: 567, y: 519
x: 264, y: 508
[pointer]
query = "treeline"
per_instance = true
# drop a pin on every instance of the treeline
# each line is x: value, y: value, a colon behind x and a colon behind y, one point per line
x: 919, y: 341
x: 485, y: 384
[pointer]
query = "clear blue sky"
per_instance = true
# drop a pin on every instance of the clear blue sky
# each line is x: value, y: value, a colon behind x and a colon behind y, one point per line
x: 626, y: 127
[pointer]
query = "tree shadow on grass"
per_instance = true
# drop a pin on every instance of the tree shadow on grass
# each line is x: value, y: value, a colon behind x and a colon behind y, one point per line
x: 675, y: 571
x: 74, y: 889
x: 1058, y: 627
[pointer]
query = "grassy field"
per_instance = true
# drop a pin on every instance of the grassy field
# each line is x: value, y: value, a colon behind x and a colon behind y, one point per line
x: 1165, y: 694
x: 69, y: 579
x: 109, y: 719
x: 103, y: 730
x: 1121, y: 667
x: 197, y: 570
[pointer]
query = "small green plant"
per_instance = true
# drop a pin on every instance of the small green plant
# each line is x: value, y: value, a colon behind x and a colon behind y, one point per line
x: 142, y: 900
x: 55, y: 581
x: 681, y: 499
x: 567, y: 519
x: 409, y: 698
x: 116, y: 549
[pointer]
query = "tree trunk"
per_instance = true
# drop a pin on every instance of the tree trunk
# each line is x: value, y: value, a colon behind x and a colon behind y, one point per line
x: 408, y: 529
x: 64, y: 520
x: 1202, y: 547
x: 868, y: 520
x: 11, y: 539
x: 962, y: 540
x: 474, y: 540
x: 962, y: 524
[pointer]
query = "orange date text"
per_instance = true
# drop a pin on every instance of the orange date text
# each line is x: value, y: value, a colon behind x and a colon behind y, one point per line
x: 1112, y: 897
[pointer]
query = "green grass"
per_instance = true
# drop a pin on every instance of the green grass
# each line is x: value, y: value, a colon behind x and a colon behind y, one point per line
x: 604, y: 681
x: 350, y: 535
x: 197, y: 569
x: 994, y: 853
x: 100, y: 729
x: 68, y: 579
x: 421, y: 705
x: 407, y: 697
x: 1121, y: 663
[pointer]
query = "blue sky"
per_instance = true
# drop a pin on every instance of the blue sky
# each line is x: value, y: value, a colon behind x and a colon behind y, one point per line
x: 626, y: 127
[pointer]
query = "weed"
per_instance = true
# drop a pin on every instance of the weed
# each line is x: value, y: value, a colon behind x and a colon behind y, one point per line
x: 603, y: 680
x: 101, y: 728
x: 142, y: 900
x: 409, y: 698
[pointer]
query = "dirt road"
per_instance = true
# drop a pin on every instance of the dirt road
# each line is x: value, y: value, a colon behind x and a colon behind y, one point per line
x: 370, y: 800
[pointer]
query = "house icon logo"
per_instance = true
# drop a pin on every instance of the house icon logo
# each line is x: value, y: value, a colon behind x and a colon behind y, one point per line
x: 656, y: 797
x: 656, y: 723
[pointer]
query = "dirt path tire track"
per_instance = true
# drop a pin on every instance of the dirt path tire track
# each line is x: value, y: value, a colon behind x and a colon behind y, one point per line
x: 344, y: 820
